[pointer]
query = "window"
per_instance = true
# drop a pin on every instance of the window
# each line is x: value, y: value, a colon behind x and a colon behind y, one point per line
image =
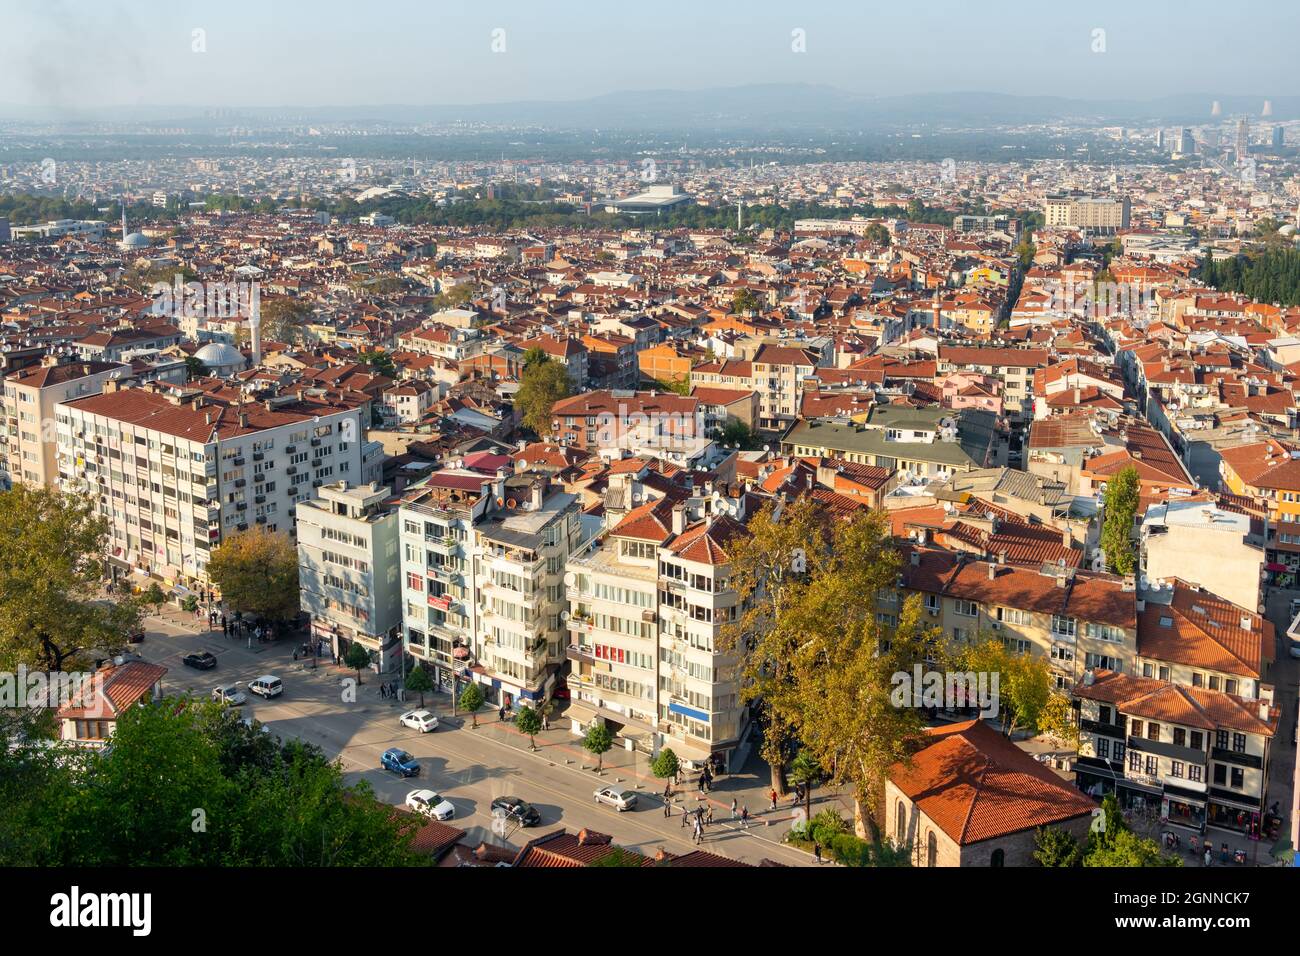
x: 1064, y: 626
x: 1194, y: 772
x: 1135, y: 762
x: 1238, y: 778
x: 1153, y: 731
x: 1153, y: 766
x: 1103, y: 748
x: 1180, y: 737
x: 900, y: 824
x: 1214, y: 682
x: 998, y: 858
x: 1221, y: 739
x: 1239, y: 743
x: 1176, y: 769
x: 967, y: 608
x: 931, y: 850
x: 1136, y: 730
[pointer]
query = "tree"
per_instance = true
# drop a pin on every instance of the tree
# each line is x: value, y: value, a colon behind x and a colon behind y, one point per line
x: 529, y: 722
x: 257, y: 573
x: 1025, y: 253
x: 769, y: 572
x: 381, y: 362
x: 1024, y: 681
x: 735, y: 432
x: 1054, y: 846
x: 665, y: 764
x: 597, y: 742
x: 153, y: 596
x: 52, y: 561
x: 284, y: 319
x: 541, y: 385
x: 1120, y: 503
x: 186, y: 783
x: 745, y: 301
x: 877, y: 234
x: 806, y: 771
x: 471, y: 699
x: 194, y: 368
x: 357, y: 657
x: 1127, y: 849
x: 419, y: 682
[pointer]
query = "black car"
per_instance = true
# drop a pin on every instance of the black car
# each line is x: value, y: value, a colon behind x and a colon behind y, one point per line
x: 201, y: 661
x: 135, y: 637
x: 521, y: 811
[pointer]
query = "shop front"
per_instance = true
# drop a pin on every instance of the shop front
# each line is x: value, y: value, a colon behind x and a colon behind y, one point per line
x: 1238, y: 814
x: 1183, y: 809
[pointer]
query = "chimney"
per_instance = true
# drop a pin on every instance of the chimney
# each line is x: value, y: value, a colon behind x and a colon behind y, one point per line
x: 537, y: 494
x: 1002, y: 557
x: 916, y: 559
x: 1066, y: 540
x: 1062, y: 580
x: 1263, y: 711
x: 993, y: 570
x: 679, y: 519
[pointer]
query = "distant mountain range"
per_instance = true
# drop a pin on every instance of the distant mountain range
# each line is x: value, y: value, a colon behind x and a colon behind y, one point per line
x: 755, y: 107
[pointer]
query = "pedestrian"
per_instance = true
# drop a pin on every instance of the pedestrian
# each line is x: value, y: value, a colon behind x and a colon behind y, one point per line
x: 708, y: 815
x: 774, y: 800
x: 383, y: 691
x: 225, y: 628
x: 685, y: 813
x: 817, y: 851
x: 699, y: 833
x: 744, y: 816
x: 733, y: 808
x: 1208, y: 856
x: 668, y: 809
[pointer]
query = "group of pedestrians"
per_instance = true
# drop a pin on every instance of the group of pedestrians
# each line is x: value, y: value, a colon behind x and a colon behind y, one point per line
x: 388, y: 690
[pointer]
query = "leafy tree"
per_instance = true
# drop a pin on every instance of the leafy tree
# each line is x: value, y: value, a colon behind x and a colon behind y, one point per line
x: 529, y: 722
x: 52, y: 556
x: 153, y: 596
x: 1057, y: 720
x: 665, y: 764
x: 1025, y: 253
x: 284, y: 319
x: 419, y: 682
x: 806, y: 771
x: 357, y: 657
x: 381, y: 362
x: 1054, y: 846
x: 1024, y: 681
x: 745, y: 301
x: 541, y: 386
x: 257, y: 573
x: 1127, y: 849
x: 194, y: 368
x: 471, y: 699
x: 735, y: 432
x: 1121, y: 503
x: 597, y: 741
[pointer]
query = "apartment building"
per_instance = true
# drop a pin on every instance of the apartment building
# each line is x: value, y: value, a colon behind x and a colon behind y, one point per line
x: 1090, y: 213
x: 647, y: 610
x: 349, y: 570
x: 176, y: 473
x: 778, y: 375
x: 1078, y: 621
x: 1205, y: 545
x: 29, y: 439
x: 483, y: 562
x: 1200, y: 756
x: 1014, y: 368
x: 608, y: 419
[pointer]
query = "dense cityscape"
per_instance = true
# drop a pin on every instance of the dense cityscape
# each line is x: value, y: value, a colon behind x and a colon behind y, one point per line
x: 515, y: 487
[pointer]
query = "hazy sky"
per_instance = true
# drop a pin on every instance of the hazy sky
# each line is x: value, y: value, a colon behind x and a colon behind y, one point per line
x: 70, y: 54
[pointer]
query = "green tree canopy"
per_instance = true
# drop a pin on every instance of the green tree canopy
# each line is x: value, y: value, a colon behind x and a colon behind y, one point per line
x: 529, y: 722
x: 419, y: 682
x: 665, y: 764
x: 1120, y: 503
x: 542, y: 385
x: 597, y: 741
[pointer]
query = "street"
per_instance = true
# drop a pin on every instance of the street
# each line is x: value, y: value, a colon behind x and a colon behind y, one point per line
x: 466, y: 766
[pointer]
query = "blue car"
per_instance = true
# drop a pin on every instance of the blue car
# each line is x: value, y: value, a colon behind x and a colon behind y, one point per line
x: 400, y: 762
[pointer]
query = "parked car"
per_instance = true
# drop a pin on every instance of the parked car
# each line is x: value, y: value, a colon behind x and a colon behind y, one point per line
x: 203, y: 660
x: 430, y: 804
x: 230, y: 695
x: 420, y: 720
x: 135, y: 637
x: 616, y: 797
x: 561, y: 691
x: 267, y: 686
x: 400, y: 762
x: 522, y: 812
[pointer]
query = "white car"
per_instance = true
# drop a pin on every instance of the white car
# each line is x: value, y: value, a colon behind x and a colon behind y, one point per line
x: 230, y: 695
x: 616, y: 797
x: 430, y: 804
x: 268, y: 686
x: 420, y: 720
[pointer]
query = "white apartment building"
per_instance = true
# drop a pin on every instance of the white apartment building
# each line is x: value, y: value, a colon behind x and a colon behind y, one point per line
x: 482, y: 574
x: 176, y: 473
x: 29, y: 439
x: 349, y: 572
x: 647, y: 611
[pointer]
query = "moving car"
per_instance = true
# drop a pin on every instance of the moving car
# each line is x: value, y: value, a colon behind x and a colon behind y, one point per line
x: 203, y: 660
x: 430, y: 804
x: 400, y: 762
x: 522, y: 812
x: 267, y: 686
x: 616, y: 797
x: 420, y: 720
x: 230, y: 695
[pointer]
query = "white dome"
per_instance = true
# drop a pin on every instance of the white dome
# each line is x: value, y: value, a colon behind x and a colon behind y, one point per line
x: 136, y: 240
x: 219, y: 355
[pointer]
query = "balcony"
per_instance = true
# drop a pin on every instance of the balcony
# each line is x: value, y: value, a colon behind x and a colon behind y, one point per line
x: 579, y: 652
x: 1239, y: 759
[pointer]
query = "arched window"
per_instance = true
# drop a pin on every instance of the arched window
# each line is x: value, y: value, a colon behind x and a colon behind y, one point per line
x: 900, y: 824
x: 931, y: 850
x: 999, y: 858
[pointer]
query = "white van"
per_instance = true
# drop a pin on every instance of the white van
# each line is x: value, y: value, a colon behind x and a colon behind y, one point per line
x: 266, y: 686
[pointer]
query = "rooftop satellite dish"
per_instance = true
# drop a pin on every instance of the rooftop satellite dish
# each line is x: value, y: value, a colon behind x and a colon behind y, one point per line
x: 1060, y: 562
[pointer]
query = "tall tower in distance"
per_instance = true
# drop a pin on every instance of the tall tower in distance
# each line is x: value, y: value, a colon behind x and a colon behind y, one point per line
x: 1243, y: 139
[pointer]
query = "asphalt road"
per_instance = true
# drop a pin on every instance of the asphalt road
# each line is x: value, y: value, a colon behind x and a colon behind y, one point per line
x: 466, y: 766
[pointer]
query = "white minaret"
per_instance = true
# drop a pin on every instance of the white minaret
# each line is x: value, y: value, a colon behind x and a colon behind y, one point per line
x: 123, y: 200
x: 255, y: 323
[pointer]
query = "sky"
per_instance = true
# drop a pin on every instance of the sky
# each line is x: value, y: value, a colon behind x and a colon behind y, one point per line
x: 64, y: 55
